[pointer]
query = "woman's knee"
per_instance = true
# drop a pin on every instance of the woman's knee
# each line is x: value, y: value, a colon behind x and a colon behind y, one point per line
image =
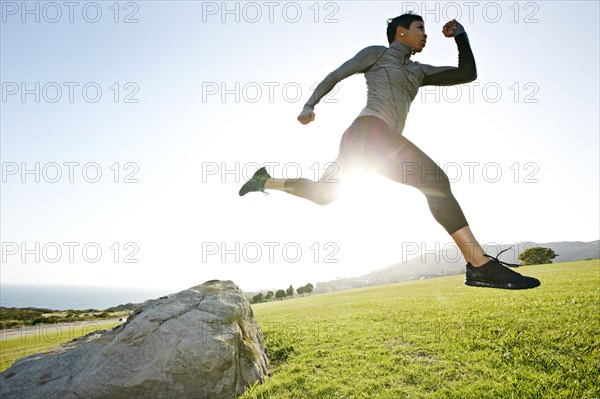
x: 437, y: 180
x: 324, y: 194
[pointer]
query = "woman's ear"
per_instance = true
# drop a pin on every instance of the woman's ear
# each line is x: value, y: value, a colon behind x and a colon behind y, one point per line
x: 400, y: 32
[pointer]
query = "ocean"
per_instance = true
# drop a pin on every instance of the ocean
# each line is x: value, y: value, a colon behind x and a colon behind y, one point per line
x: 63, y: 297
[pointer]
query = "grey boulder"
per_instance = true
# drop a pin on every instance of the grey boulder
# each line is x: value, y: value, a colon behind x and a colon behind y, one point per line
x: 202, y: 342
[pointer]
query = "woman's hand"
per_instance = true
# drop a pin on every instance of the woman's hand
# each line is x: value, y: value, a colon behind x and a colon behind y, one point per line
x: 452, y: 29
x: 305, y: 117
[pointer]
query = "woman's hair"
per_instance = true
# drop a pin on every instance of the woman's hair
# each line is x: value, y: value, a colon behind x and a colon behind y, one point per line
x: 404, y: 21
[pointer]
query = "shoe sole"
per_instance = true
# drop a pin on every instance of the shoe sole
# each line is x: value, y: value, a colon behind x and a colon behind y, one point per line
x: 507, y: 286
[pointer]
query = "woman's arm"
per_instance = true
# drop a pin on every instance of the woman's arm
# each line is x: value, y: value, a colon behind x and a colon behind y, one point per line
x: 359, y: 63
x: 466, y: 71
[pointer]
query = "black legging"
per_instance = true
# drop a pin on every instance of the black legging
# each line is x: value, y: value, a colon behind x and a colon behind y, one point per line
x: 371, y: 144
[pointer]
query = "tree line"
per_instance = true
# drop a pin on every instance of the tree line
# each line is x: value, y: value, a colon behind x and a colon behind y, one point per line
x: 280, y: 294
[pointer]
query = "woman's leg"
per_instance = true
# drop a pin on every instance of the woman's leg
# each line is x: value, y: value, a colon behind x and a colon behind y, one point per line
x: 322, y: 192
x: 397, y: 158
x: 327, y: 188
x: 400, y: 160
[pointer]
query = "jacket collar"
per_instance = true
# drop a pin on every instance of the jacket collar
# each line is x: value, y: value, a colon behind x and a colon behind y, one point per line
x: 401, y: 51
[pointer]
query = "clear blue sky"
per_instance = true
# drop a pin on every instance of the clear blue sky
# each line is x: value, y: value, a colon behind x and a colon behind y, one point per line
x: 177, y: 103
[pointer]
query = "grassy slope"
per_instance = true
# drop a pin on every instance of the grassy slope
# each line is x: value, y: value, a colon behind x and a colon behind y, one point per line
x: 439, y: 339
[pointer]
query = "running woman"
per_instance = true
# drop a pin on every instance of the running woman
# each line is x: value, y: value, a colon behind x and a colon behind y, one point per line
x: 374, y: 140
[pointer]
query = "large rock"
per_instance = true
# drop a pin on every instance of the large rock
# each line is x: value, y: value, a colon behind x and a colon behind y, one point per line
x: 199, y: 343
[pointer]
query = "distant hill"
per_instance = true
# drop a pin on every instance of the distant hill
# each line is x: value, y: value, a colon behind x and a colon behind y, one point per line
x: 449, y: 262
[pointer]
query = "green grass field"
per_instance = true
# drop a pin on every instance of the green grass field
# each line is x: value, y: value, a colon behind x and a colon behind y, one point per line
x: 439, y: 339
x: 43, y: 337
x: 428, y: 339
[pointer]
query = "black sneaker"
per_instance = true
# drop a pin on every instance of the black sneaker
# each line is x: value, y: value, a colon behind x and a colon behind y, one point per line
x: 256, y: 183
x: 495, y: 274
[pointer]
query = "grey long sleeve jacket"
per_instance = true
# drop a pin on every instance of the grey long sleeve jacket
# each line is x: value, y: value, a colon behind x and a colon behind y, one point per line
x: 393, y: 79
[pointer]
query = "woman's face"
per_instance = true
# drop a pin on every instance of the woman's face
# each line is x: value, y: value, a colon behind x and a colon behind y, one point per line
x: 414, y: 36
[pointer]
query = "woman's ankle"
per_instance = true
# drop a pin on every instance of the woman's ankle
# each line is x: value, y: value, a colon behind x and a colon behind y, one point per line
x: 479, y: 261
